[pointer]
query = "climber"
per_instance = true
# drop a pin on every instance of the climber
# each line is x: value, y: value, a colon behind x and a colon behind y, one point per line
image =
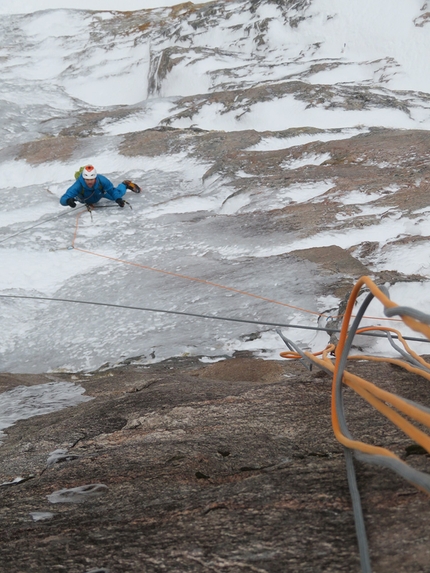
x: 90, y: 187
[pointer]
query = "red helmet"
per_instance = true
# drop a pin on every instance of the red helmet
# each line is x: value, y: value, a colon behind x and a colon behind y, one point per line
x: 89, y: 172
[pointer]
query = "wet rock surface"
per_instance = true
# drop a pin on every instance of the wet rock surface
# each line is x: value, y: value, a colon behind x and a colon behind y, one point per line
x: 230, y: 466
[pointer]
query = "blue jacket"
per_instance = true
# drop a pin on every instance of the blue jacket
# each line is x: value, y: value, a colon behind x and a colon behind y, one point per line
x: 84, y: 194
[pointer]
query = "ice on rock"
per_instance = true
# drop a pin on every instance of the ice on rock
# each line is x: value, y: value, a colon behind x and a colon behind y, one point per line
x: 78, y: 494
x: 41, y: 515
x: 60, y: 455
x: 24, y: 402
x: 14, y: 481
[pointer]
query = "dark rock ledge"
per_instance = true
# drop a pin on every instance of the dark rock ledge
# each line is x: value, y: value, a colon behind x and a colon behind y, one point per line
x: 229, y: 467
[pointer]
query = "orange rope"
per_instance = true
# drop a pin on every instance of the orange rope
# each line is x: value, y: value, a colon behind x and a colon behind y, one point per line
x: 293, y: 355
x: 203, y: 281
x: 181, y: 276
x: 412, y: 323
x: 388, y: 303
x: 380, y: 399
x: 375, y: 396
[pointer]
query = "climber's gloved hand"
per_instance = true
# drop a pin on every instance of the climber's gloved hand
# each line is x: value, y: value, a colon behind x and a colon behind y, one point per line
x: 120, y: 202
x: 71, y: 203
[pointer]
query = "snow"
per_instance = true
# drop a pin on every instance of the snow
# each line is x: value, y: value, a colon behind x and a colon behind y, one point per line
x: 384, y: 231
x: 357, y: 198
x: 154, y: 112
x: 29, y: 6
x: 57, y: 59
x: 30, y: 268
x: 356, y: 36
x: 306, y: 159
x: 273, y: 143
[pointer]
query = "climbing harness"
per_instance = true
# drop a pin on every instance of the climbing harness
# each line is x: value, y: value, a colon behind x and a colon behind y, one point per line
x: 90, y: 209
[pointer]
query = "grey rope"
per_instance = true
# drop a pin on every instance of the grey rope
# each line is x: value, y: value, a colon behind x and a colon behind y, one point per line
x: 408, y: 311
x: 363, y: 546
x: 329, y: 330
x: 360, y: 529
x: 406, y: 355
x: 177, y: 312
x: 418, y: 478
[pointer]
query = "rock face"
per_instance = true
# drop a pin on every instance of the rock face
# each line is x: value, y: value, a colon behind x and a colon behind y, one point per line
x: 231, y: 466
x: 387, y: 168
